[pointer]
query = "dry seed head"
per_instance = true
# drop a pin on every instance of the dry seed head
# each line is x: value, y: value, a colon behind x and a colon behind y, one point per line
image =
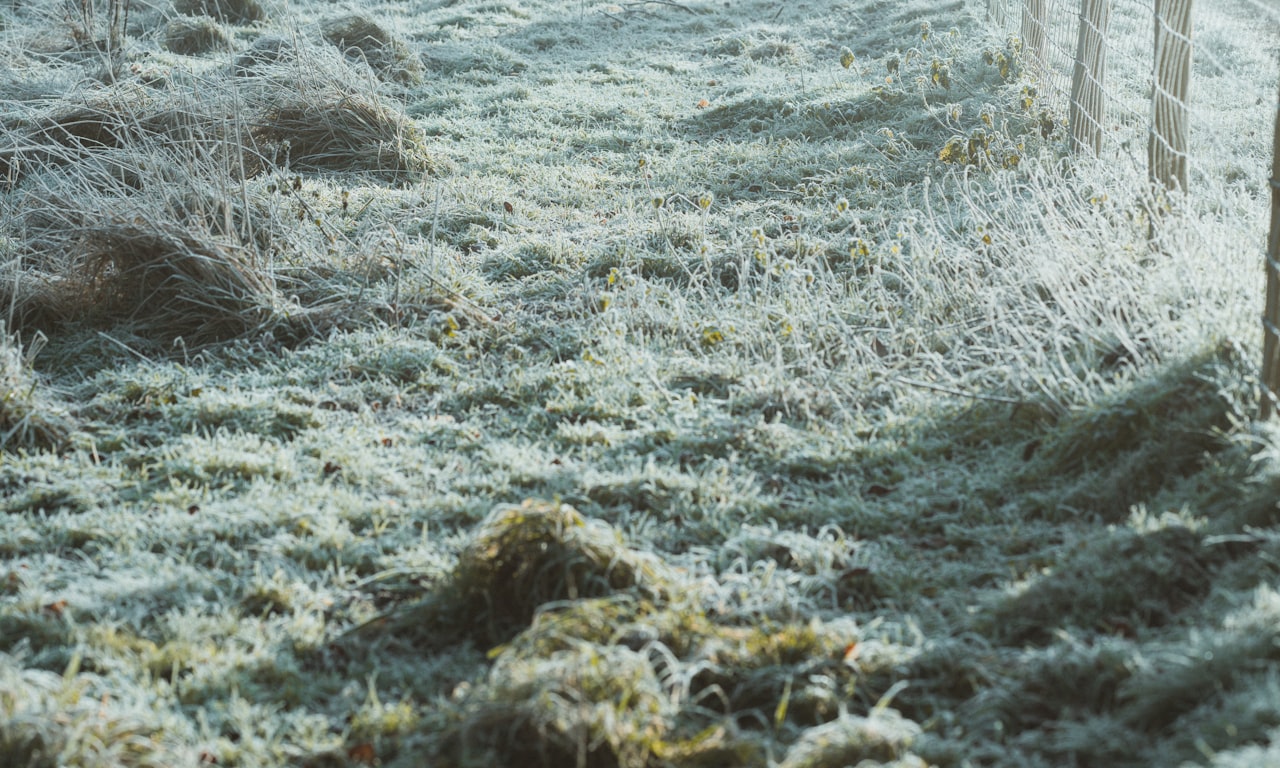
x: 846, y: 58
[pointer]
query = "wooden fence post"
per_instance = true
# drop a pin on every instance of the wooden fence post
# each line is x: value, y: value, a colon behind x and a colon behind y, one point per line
x: 1271, y: 317
x: 1035, y: 34
x: 1088, y: 104
x: 1171, y: 80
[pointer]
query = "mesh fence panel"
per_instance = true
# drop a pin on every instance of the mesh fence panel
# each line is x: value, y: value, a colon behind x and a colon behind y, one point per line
x: 1112, y: 105
x: 1195, y: 83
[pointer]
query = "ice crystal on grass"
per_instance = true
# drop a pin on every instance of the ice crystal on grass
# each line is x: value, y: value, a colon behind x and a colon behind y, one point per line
x: 29, y: 416
x: 878, y: 428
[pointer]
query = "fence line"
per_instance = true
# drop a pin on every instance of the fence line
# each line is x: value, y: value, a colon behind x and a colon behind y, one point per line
x: 1069, y: 47
x: 1271, y: 315
x: 1074, y: 79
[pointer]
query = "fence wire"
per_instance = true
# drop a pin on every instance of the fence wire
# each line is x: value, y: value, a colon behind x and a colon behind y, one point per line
x: 1098, y: 69
x: 1196, y: 83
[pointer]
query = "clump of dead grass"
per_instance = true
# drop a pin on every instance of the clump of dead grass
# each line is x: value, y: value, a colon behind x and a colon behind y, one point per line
x: 194, y: 35
x: 317, y: 114
x: 172, y: 275
x: 136, y: 207
x: 166, y: 262
x: 343, y: 131
x: 357, y: 35
x: 130, y: 118
x: 263, y: 52
x: 226, y: 11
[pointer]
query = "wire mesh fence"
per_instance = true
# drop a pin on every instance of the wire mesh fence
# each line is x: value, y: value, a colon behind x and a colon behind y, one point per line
x: 1093, y: 62
x: 1271, y: 313
x: 1165, y: 74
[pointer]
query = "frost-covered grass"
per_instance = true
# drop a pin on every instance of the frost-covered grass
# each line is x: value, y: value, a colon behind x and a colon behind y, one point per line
x: 638, y: 384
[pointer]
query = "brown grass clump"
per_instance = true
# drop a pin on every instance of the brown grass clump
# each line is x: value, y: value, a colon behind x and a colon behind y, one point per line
x: 128, y: 119
x: 265, y: 51
x: 388, y: 54
x: 226, y: 11
x: 167, y: 262
x: 173, y: 276
x: 194, y: 35
x: 313, y: 116
x: 342, y: 131
x: 111, y: 118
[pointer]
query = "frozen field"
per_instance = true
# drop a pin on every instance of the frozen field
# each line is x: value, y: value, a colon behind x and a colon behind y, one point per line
x: 565, y: 383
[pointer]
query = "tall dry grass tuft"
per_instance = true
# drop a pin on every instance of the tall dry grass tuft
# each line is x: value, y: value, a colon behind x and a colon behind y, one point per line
x: 174, y: 275
x: 130, y: 116
x: 357, y: 35
x: 194, y: 35
x: 140, y: 202
x: 227, y: 11
x: 341, y: 130
x: 166, y: 269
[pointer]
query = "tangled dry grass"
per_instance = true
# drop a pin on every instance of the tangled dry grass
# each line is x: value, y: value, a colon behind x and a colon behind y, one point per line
x: 136, y: 203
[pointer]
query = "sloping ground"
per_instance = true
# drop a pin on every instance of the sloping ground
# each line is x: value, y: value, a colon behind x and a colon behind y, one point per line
x: 636, y: 384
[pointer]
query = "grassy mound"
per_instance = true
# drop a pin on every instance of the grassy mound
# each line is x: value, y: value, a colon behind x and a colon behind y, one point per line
x: 359, y: 36
x: 344, y: 132
x: 521, y: 559
x: 194, y: 35
x: 527, y: 556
